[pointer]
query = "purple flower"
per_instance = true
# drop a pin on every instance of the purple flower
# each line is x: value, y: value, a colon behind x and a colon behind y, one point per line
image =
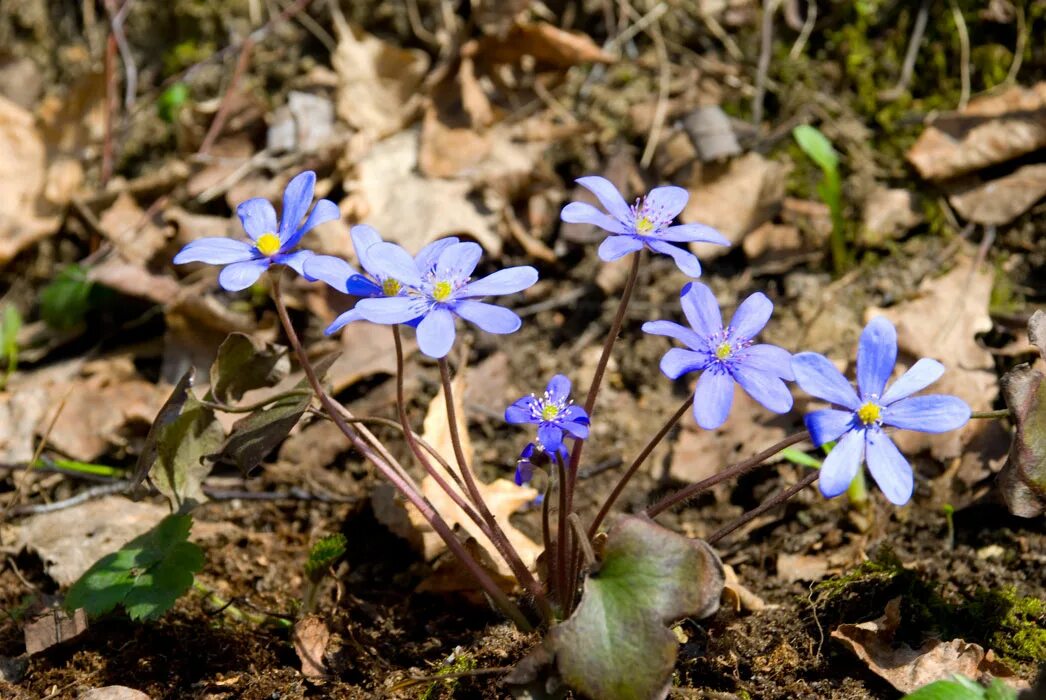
x: 272, y: 243
x: 437, y: 293
x: 859, y: 428
x: 725, y: 355
x: 553, y: 412
x: 345, y: 278
x: 647, y: 223
x: 534, y: 456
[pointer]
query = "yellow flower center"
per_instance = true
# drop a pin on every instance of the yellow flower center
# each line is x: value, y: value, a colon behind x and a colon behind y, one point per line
x: 441, y: 291
x: 723, y: 351
x: 268, y: 244
x: 549, y: 412
x: 869, y: 413
x: 644, y: 226
x: 391, y: 287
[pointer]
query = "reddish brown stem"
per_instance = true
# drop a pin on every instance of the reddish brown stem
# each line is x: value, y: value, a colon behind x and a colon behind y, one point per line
x: 763, y: 507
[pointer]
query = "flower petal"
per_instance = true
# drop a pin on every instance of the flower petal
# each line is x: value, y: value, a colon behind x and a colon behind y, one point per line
x: 607, y: 195
x: 876, y: 356
x: 693, y: 233
x: 216, y: 251
x: 327, y: 268
x: 427, y: 257
x: 841, y: 465
x: 765, y: 387
x: 295, y: 261
x: 889, y: 468
x: 342, y: 321
x: 931, y: 413
x: 670, y: 200
x: 713, y: 398
x: 685, y: 260
x: 390, y: 310
x: 750, y: 317
x: 257, y: 216
x: 919, y: 376
x: 550, y: 436
x: 768, y: 358
x: 363, y: 237
x: 240, y: 275
x: 389, y: 260
x: 324, y: 211
x: 362, y: 286
x: 457, y: 261
x: 578, y: 430
x: 436, y: 333
x: 297, y: 197
x: 674, y: 330
x: 828, y: 424
x: 558, y: 388
x: 702, y: 310
x: 488, y: 317
x: 817, y: 376
x: 584, y: 213
x: 522, y: 411
x: 507, y: 281
x: 677, y: 362
x: 614, y: 247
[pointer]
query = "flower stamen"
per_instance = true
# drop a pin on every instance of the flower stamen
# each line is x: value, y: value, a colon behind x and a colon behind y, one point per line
x: 869, y: 413
x: 268, y: 244
x: 391, y: 287
x: 441, y: 291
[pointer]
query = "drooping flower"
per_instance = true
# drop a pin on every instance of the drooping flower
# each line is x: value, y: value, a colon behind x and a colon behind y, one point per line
x: 647, y: 223
x: 534, y: 456
x: 437, y: 293
x: 725, y: 356
x: 271, y: 242
x: 553, y: 412
x: 858, y: 423
x: 345, y: 278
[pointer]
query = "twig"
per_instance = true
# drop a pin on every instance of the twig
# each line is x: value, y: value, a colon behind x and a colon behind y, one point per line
x: 1018, y: 50
x: 766, y: 39
x: 964, y: 54
x: 82, y: 497
x: 663, y: 84
x: 640, y: 25
x: 910, y: 54
x: 36, y: 456
x: 805, y: 32
x: 110, y: 109
x: 763, y: 507
x: 130, y: 68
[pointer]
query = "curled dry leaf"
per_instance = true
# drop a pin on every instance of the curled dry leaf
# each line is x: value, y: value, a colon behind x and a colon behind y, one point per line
x: 134, y: 236
x: 1002, y: 200
x: 310, y: 638
x: 545, y: 42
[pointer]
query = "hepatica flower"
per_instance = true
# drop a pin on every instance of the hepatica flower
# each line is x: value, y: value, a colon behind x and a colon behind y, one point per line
x: 271, y: 242
x: 553, y: 412
x: 859, y: 421
x: 374, y: 283
x: 647, y: 223
x: 534, y: 456
x: 437, y: 293
x: 725, y: 356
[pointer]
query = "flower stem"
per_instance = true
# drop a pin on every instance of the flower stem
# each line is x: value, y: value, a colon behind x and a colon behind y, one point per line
x: 763, y: 507
x: 742, y: 467
x: 640, y: 458
x: 498, y: 596
x: 562, y: 538
x: 990, y: 415
x: 857, y: 491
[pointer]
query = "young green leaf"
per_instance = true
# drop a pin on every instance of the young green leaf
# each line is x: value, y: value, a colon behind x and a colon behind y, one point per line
x: 817, y: 147
x: 962, y: 688
x: 65, y: 301
x: 171, y: 101
x: 323, y: 554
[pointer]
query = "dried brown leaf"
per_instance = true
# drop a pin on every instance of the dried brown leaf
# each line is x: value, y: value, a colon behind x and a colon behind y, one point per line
x: 53, y: 627
x: 1002, y: 200
x: 310, y: 638
x: 546, y: 43
x: 136, y: 238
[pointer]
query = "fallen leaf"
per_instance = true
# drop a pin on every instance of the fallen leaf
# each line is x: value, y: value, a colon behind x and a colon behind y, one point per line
x: 1023, y: 479
x: 737, y: 596
x: 227, y: 157
x: 112, y: 692
x: 712, y: 133
x: 778, y: 245
x: 1000, y: 201
x: 368, y: 350
x: 136, y: 238
x: 134, y: 280
x: 310, y: 638
x: 887, y: 214
x: 547, y: 43
x: 53, y: 627
x: 801, y: 567
x: 305, y: 123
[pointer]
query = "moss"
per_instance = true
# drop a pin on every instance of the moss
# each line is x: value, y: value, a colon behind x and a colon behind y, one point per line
x: 456, y: 663
x: 1013, y: 625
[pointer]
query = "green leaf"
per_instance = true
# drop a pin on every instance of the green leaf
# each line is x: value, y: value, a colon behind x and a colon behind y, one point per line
x: 616, y: 644
x: 255, y: 436
x: 171, y: 101
x: 244, y: 363
x: 168, y: 412
x: 183, y: 448
x: 147, y: 575
x: 817, y: 147
x: 65, y: 301
x: 323, y: 554
x: 962, y: 688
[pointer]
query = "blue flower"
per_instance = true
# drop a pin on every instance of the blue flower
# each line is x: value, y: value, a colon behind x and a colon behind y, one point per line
x: 272, y: 243
x: 859, y: 426
x: 534, y: 456
x: 647, y: 223
x: 553, y: 412
x: 345, y: 278
x: 437, y: 293
x: 725, y: 355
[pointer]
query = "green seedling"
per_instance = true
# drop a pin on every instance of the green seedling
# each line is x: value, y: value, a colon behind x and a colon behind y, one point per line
x: 171, y: 101
x: 10, y: 324
x: 819, y: 149
x: 325, y: 552
x: 949, y: 512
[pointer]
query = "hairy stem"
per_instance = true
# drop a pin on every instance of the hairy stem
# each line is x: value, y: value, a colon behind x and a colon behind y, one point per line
x: 763, y: 507
x: 562, y: 538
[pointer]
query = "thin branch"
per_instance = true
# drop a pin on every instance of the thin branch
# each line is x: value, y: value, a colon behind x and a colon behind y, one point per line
x: 763, y: 507
x: 766, y: 40
x: 964, y: 54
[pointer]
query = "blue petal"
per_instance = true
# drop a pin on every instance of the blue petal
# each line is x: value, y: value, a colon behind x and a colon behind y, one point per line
x: 297, y: 197
x: 614, y: 247
x: 216, y: 251
x: 522, y: 411
x: 674, y: 330
x: 841, y: 465
x: 817, y: 376
x: 685, y: 260
x: 889, y: 468
x: 324, y: 211
x: 457, y: 261
x: 919, y: 376
x: 558, y: 388
x: 876, y: 356
x: 361, y: 286
x: 257, y: 216
x: 765, y: 387
x: 295, y: 261
x: 828, y: 424
x: 693, y: 233
x: 240, y: 275
x: 436, y: 333
x: 669, y: 200
x: 550, y: 437
x: 768, y: 358
x: 750, y: 317
x: 427, y: 257
x: 932, y: 413
x: 390, y: 310
x: 507, y: 281
x: 702, y: 310
x: 574, y: 414
x: 327, y: 268
x: 363, y: 237
x: 607, y: 195
x: 343, y: 320
x: 677, y: 362
x: 712, y: 399
x: 582, y: 213
x: 524, y: 472
x: 389, y: 260
x: 578, y: 430
x: 491, y: 318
